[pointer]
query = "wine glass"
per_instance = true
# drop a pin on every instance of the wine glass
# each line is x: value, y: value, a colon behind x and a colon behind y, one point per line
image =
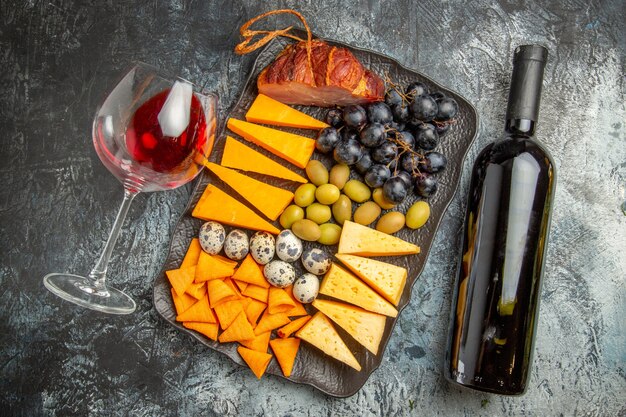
x: 153, y: 133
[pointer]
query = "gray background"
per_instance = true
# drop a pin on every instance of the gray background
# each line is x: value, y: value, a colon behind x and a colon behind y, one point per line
x: 57, y: 203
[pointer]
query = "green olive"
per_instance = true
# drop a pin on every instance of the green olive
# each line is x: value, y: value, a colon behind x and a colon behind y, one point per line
x: 290, y: 215
x: 417, y: 215
x: 317, y: 172
x: 357, y: 191
x: 379, y: 198
x: 339, y: 174
x: 330, y: 234
x: 319, y: 213
x: 306, y: 230
x: 367, y: 213
x: 304, y: 195
x: 390, y: 222
x: 342, y: 209
x: 327, y: 193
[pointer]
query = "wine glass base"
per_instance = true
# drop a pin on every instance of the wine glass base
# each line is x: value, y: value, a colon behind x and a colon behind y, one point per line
x: 83, y: 291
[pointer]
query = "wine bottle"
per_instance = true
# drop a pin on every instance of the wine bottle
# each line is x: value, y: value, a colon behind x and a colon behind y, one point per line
x: 497, y: 289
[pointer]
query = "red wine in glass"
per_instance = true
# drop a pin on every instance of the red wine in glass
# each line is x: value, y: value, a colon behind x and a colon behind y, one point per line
x: 153, y: 132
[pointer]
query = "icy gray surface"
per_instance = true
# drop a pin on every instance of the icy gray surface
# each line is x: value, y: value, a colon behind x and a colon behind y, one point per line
x: 57, y: 203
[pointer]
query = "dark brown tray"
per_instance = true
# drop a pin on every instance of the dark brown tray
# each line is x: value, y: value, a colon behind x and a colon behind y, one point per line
x: 312, y: 366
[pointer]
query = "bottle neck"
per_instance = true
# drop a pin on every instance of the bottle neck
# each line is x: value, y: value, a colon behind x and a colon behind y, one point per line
x: 520, y: 127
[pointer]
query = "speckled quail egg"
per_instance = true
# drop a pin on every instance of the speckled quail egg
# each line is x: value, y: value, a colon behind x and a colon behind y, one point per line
x: 212, y: 235
x: 279, y: 273
x: 316, y: 261
x: 262, y: 247
x: 288, y: 246
x: 236, y: 245
x: 306, y: 287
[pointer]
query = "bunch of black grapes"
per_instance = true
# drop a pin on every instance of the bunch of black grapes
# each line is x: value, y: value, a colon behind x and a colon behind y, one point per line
x: 393, y: 143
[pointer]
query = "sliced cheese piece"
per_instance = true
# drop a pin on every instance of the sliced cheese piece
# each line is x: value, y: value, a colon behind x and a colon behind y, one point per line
x: 293, y: 148
x: 341, y: 284
x: 319, y: 332
x: 268, y: 199
x: 239, y: 156
x: 215, y: 204
x: 361, y: 240
x: 365, y: 327
x: 257, y: 361
x: 250, y: 272
x: 285, y: 351
x: 268, y: 111
x: 387, y: 279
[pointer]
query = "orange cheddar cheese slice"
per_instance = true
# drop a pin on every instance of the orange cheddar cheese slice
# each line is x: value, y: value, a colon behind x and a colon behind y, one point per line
x: 319, y: 332
x: 215, y: 204
x: 361, y: 240
x: 388, y: 280
x: 268, y: 199
x: 268, y: 111
x: 365, y: 327
x: 239, y: 156
x: 341, y: 284
x: 293, y: 148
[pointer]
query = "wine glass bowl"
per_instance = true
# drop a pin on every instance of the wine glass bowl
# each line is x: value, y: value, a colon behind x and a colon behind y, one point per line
x: 153, y: 132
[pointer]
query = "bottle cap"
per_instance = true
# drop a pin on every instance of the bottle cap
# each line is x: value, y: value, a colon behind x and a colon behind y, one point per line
x: 525, y: 92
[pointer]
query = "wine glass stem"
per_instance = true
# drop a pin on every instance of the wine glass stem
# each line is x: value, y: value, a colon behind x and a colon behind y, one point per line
x: 98, y: 273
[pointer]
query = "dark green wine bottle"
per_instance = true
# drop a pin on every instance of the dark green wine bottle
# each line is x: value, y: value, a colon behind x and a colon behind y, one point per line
x: 498, y: 285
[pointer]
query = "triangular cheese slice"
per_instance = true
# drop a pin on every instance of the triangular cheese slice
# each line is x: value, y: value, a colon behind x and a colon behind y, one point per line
x: 192, y: 254
x: 361, y: 240
x: 341, y: 284
x: 279, y: 301
x: 239, y: 156
x: 239, y: 329
x: 200, y: 312
x: 257, y: 361
x: 208, y: 329
x: 181, y: 278
x: 210, y: 267
x: 387, y: 279
x: 319, y: 332
x: 215, y: 204
x: 293, y: 148
x: 268, y: 111
x: 285, y: 351
x: 258, y: 343
x: 268, y: 199
x: 249, y: 271
x: 365, y: 327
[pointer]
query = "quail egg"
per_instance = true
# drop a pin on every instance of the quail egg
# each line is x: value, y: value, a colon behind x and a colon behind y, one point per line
x: 316, y: 261
x: 212, y: 235
x: 236, y: 245
x: 288, y: 246
x: 279, y: 273
x: 262, y: 247
x: 306, y: 288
